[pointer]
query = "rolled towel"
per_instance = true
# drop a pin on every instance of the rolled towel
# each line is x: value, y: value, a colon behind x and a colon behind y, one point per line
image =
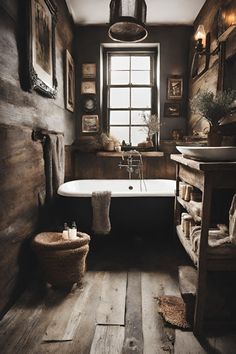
x: 101, y: 208
x: 216, y: 238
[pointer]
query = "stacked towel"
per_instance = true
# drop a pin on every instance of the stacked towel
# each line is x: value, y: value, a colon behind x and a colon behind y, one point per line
x: 101, y: 209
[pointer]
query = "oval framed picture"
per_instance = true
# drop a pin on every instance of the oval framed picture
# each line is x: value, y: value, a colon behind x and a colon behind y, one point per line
x: 89, y: 103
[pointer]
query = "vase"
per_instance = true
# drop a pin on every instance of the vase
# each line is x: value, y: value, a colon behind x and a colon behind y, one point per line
x: 214, y: 137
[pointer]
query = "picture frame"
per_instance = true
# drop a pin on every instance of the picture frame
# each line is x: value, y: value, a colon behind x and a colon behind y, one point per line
x: 90, y: 123
x: 89, y: 71
x: 89, y: 103
x: 41, y: 47
x: 174, y: 88
x: 70, y: 82
x: 172, y: 110
x: 88, y: 87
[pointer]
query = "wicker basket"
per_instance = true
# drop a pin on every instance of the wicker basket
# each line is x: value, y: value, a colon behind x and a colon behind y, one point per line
x: 62, y: 262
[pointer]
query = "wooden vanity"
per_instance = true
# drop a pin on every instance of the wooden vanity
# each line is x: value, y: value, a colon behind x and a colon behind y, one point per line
x: 207, y: 177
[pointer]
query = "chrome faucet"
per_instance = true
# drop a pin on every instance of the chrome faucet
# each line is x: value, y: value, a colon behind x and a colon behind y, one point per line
x: 133, y: 162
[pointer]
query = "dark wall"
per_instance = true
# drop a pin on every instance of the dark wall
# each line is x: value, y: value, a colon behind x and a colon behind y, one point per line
x: 174, y: 54
x: 18, y: 107
x: 22, y: 177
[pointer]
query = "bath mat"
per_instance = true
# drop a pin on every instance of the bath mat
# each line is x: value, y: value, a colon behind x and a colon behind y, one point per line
x: 173, y: 310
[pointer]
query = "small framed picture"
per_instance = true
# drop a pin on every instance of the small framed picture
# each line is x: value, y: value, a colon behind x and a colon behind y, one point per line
x: 172, y: 110
x: 89, y: 71
x: 175, y: 88
x: 70, y: 82
x: 90, y: 124
x: 89, y: 103
x: 88, y: 87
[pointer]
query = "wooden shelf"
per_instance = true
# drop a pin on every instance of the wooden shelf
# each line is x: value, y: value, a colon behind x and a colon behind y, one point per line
x: 186, y: 244
x: 208, y: 177
x: 187, y: 205
x: 204, y: 166
x: 120, y: 154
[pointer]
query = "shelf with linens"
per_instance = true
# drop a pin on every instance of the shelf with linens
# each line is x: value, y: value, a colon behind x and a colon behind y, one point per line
x: 208, y: 178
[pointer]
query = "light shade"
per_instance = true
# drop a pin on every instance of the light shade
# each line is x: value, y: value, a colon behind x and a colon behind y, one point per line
x: 127, y: 20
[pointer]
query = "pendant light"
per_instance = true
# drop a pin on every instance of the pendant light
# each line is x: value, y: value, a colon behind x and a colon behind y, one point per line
x: 127, y: 20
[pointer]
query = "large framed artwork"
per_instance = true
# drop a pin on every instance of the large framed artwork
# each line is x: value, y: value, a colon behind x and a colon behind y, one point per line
x: 41, y: 47
x: 70, y: 82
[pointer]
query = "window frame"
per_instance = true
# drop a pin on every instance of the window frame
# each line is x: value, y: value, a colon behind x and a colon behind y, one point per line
x: 107, y: 53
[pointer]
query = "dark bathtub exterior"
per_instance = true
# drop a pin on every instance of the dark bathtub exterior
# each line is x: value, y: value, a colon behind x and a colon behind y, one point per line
x: 149, y: 217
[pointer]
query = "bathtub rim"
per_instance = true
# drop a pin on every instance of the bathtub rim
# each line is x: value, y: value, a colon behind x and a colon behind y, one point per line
x: 120, y: 194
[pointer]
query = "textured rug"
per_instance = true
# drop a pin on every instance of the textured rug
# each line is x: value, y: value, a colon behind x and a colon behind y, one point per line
x: 173, y: 310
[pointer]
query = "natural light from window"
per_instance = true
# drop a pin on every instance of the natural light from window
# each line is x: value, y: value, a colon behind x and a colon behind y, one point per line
x: 129, y: 95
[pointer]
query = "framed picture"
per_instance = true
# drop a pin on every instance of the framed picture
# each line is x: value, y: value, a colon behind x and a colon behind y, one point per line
x: 90, y: 124
x: 175, y: 88
x: 41, y: 47
x: 70, y: 82
x: 88, y: 87
x: 172, y: 109
x: 89, y: 71
x: 89, y: 103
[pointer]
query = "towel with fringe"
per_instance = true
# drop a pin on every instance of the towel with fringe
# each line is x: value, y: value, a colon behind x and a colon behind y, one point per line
x: 101, y: 208
x: 54, y: 154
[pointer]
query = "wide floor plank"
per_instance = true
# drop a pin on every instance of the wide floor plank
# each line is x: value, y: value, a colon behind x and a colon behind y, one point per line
x: 157, y: 338
x: 67, y: 315
x: 108, y: 340
x: 187, y: 343
x: 133, y: 342
x: 85, y: 330
x: 111, y: 309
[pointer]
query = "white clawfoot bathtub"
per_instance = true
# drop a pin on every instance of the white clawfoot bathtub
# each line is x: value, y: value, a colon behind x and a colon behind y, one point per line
x: 119, y: 187
x: 137, y: 207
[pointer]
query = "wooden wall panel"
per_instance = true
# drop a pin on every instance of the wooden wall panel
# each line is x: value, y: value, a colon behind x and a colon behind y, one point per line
x: 90, y: 166
x: 208, y: 17
x: 22, y: 180
x: 21, y: 159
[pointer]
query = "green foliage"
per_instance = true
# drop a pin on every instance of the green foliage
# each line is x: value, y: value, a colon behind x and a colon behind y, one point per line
x: 212, y: 106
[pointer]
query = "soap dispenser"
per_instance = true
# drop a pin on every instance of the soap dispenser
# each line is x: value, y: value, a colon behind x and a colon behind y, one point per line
x: 73, y: 231
x: 65, y: 232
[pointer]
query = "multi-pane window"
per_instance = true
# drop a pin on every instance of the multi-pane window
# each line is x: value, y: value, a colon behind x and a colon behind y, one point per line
x: 130, y: 94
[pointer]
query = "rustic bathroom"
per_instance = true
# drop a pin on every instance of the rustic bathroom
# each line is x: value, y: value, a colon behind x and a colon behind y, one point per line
x: 118, y: 176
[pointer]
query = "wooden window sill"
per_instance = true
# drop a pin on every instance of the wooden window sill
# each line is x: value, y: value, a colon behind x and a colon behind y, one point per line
x: 119, y: 154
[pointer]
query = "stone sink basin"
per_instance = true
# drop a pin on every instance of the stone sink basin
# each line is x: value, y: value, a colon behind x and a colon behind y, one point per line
x: 209, y: 153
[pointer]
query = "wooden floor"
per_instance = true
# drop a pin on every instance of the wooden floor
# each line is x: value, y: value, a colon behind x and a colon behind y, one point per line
x: 114, y: 312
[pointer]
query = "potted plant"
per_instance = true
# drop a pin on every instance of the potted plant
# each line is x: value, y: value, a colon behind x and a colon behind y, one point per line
x: 108, y: 142
x: 152, y: 127
x: 213, y: 107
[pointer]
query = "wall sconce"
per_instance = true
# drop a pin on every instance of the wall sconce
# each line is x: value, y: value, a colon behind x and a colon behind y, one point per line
x: 127, y: 20
x: 202, y: 48
x: 226, y: 24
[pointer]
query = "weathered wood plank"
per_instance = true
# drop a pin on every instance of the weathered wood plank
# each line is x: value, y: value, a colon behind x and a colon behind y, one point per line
x: 21, y: 320
x: 186, y: 343
x: 111, y: 309
x: 108, y: 340
x: 67, y: 316
x: 133, y: 341
x: 84, y: 333
x: 157, y: 338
